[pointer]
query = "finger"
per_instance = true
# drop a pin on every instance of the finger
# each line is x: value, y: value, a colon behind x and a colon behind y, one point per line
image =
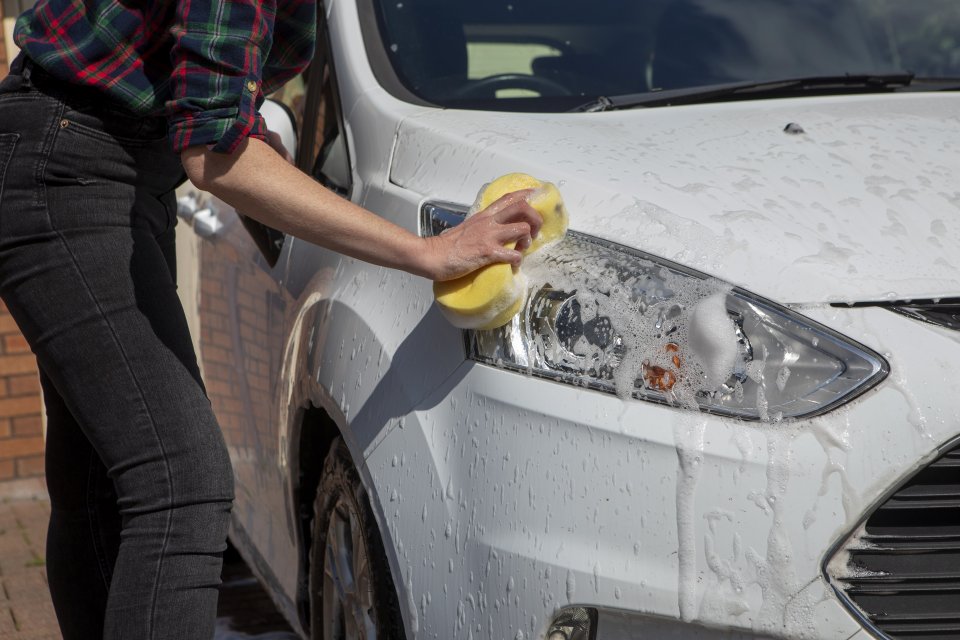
x: 514, y: 232
x: 503, y: 254
x: 521, y: 212
x: 506, y: 201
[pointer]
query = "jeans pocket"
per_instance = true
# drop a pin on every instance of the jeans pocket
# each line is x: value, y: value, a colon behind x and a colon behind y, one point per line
x: 8, y: 142
x: 112, y: 125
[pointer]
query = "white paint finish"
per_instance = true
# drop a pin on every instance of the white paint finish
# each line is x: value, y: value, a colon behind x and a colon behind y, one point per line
x: 503, y: 497
x: 278, y: 120
x: 558, y: 486
x: 857, y: 208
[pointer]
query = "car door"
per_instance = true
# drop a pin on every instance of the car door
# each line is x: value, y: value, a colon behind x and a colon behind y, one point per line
x: 242, y: 306
x: 241, y: 316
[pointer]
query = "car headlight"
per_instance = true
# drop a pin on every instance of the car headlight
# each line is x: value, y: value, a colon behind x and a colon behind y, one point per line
x: 608, y: 317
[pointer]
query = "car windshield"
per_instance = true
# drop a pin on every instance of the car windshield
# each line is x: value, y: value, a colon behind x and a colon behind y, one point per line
x: 551, y: 55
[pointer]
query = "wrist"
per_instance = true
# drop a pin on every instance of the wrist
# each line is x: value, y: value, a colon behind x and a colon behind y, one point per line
x: 409, y: 252
x: 422, y: 257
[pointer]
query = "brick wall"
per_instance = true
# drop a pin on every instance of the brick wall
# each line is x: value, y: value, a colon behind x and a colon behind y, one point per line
x: 21, y: 423
x: 21, y: 418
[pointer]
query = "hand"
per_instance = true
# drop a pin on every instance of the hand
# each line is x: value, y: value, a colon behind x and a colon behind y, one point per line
x: 480, y: 239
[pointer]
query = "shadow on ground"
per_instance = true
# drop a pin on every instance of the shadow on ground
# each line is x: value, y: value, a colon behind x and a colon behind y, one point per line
x: 245, y: 611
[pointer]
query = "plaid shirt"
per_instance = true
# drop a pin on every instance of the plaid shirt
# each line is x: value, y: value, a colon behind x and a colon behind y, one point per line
x: 204, y: 64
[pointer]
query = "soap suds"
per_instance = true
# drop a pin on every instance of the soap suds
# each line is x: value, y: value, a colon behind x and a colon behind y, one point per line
x: 653, y: 329
x: 713, y: 340
x: 689, y: 439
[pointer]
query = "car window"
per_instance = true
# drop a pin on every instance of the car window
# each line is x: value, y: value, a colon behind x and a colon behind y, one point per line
x: 492, y: 58
x: 922, y: 36
x: 313, y: 100
x: 554, y: 53
x: 329, y: 160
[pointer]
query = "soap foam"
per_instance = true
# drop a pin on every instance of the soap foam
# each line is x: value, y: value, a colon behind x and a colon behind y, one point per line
x: 713, y: 340
x: 658, y: 325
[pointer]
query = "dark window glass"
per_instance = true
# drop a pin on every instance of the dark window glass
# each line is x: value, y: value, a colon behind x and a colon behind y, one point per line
x: 556, y: 52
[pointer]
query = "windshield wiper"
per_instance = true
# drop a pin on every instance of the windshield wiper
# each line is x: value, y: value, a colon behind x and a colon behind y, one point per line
x: 752, y: 89
x: 935, y: 83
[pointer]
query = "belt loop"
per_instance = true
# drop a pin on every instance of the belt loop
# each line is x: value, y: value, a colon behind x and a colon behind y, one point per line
x: 23, y: 66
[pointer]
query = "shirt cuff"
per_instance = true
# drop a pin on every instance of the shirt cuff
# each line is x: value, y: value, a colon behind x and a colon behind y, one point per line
x: 222, y: 129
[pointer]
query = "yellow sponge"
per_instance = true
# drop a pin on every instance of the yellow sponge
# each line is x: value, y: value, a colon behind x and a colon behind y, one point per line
x: 489, y: 297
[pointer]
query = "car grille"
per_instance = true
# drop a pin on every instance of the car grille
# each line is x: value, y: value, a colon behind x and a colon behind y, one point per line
x: 902, y: 572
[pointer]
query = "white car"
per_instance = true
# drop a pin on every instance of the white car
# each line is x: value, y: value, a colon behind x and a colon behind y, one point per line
x: 730, y: 406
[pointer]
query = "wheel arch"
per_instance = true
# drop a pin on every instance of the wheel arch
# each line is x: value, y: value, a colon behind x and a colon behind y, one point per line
x: 317, y: 433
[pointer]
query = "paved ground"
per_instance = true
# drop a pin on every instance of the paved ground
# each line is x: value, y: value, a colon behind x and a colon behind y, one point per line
x: 26, y: 612
x: 25, y: 609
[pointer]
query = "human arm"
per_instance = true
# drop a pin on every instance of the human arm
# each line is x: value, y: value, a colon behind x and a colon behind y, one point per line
x: 215, y: 126
x: 257, y: 180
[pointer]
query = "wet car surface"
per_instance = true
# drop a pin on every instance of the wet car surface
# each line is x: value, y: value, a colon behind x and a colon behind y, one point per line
x: 728, y: 408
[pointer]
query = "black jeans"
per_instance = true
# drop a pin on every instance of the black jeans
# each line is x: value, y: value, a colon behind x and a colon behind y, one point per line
x: 138, y: 473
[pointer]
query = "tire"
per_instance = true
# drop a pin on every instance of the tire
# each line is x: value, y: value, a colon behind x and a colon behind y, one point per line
x: 352, y: 596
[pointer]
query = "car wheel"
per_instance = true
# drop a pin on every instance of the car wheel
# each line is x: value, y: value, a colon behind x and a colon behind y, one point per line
x: 351, y: 591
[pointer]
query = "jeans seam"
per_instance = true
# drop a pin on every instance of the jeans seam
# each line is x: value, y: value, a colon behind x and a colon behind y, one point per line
x: 142, y: 398
x: 92, y: 518
x: 48, y: 142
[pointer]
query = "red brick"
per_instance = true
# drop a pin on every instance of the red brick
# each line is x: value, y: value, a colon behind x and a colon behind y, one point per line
x: 216, y: 305
x: 15, y: 343
x: 11, y: 365
x: 6, y: 468
x: 22, y: 406
x: 221, y: 339
x: 216, y: 354
x: 24, y: 385
x: 215, y: 322
x: 247, y: 300
x: 211, y: 287
x: 30, y: 467
x: 27, y: 426
x: 5, y: 428
x: 17, y: 447
x: 7, y: 325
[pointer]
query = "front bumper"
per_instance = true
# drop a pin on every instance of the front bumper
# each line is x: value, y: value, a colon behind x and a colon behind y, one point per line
x: 504, y: 498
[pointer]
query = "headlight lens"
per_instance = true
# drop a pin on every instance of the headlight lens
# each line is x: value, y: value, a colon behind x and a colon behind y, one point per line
x: 611, y: 318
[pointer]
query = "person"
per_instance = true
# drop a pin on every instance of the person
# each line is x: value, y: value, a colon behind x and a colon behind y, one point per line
x: 109, y: 106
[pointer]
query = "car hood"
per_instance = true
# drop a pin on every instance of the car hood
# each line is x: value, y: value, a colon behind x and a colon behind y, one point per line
x: 858, y: 200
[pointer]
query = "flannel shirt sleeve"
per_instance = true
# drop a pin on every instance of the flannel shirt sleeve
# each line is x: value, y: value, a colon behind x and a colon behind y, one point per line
x: 217, y: 58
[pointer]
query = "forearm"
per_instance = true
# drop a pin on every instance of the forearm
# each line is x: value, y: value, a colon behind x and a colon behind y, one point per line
x: 256, y: 181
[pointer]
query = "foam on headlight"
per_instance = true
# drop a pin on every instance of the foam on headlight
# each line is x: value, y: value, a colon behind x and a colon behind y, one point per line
x: 608, y: 317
